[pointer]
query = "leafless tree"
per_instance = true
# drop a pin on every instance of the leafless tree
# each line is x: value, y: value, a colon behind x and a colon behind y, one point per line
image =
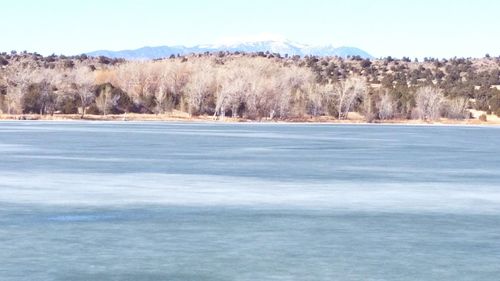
x: 164, y: 95
x: 233, y: 85
x: 161, y: 96
x: 456, y: 108
x: 46, y: 98
x: 86, y: 96
x: 177, y: 76
x: 84, y: 81
x: 386, y: 107
x: 199, y: 88
x: 293, y: 90
x: 155, y: 86
x: 106, y: 100
x: 18, y: 81
x: 132, y: 77
x: 346, y: 92
x: 429, y: 101
x: 316, y: 94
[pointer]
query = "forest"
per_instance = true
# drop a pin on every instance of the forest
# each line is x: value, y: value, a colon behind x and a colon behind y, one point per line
x: 254, y: 86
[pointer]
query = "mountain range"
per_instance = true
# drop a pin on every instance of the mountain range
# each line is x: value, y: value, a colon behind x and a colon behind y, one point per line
x: 274, y: 46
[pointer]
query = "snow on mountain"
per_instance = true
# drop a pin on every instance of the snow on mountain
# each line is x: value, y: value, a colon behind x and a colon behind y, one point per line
x: 273, y: 45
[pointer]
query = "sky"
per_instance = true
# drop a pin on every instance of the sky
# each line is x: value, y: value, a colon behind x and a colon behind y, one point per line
x: 418, y: 28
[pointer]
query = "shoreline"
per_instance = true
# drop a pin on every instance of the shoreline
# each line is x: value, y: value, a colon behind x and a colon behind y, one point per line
x: 210, y: 119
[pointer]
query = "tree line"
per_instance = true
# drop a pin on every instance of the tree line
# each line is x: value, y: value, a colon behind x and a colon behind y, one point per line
x: 253, y: 86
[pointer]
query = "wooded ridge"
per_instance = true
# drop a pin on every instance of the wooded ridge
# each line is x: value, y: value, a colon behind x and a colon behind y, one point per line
x: 253, y: 86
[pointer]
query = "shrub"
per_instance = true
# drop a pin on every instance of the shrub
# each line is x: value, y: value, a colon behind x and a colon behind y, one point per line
x: 3, y: 61
x: 68, y: 64
x: 366, y: 63
x: 483, y: 118
x: 104, y: 60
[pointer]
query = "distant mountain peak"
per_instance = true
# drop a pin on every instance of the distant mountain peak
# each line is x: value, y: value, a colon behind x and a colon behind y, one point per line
x: 261, y: 43
x: 263, y: 37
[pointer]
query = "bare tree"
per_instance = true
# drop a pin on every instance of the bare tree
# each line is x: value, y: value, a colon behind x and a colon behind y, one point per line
x: 429, y: 101
x: 46, y: 98
x: 345, y: 93
x: 293, y: 90
x: 13, y: 99
x: 84, y: 80
x: 132, y: 77
x: 386, y: 107
x: 37, y: 95
x: 456, y: 108
x: 18, y: 81
x: 316, y: 94
x: 162, y: 81
x: 163, y: 96
x: 232, y: 89
x: 258, y: 98
x: 177, y: 76
x: 261, y: 90
x: 106, y: 100
x: 199, y: 88
x: 87, y: 97
x: 269, y: 98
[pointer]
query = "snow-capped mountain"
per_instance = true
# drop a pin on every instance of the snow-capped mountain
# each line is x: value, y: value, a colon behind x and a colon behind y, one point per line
x: 272, y: 45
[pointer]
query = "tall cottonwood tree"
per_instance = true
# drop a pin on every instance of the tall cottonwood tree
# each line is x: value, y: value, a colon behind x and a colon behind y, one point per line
x: 84, y: 80
x: 345, y: 93
x: 105, y: 99
x: 429, y: 101
x: 386, y: 107
x: 18, y: 81
x: 456, y: 108
x: 199, y: 88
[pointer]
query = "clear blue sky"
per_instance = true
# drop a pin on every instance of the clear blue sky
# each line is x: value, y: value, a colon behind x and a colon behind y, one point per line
x: 418, y: 28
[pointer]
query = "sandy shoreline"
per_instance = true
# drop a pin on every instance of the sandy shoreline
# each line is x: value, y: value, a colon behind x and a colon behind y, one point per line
x: 186, y: 118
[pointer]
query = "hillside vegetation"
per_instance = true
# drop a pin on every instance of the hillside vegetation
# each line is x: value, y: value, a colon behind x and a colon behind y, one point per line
x: 253, y: 86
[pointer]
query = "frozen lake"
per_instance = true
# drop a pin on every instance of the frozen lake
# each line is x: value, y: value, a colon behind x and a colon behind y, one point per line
x: 190, y: 201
